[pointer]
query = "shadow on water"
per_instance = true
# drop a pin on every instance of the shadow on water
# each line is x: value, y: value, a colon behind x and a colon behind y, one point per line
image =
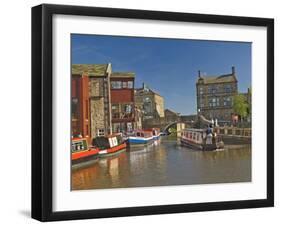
x: 165, y: 163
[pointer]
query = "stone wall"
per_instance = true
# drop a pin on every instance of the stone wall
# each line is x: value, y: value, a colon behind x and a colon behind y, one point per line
x: 96, y: 87
x: 97, y: 105
x: 220, y: 114
x: 222, y: 109
x: 159, y: 102
x: 97, y: 115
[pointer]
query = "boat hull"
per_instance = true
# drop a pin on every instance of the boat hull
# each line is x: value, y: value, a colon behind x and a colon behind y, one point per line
x: 112, y: 151
x: 135, y: 141
x: 206, y: 147
x: 157, y: 137
x: 192, y: 145
x: 84, y: 155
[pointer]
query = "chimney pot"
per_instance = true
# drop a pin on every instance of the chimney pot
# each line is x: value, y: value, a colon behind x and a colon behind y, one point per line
x: 233, y: 70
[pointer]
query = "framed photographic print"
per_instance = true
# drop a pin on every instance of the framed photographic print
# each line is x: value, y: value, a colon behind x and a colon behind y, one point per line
x: 145, y: 112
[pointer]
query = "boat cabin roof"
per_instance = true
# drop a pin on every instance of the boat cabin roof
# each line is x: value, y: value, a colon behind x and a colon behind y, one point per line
x: 77, y: 139
x: 114, y: 135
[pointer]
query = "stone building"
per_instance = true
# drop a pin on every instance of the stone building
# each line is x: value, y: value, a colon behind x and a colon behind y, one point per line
x: 215, y: 96
x: 99, y: 96
x: 122, y: 101
x: 171, y: 116
x: 150, y: 102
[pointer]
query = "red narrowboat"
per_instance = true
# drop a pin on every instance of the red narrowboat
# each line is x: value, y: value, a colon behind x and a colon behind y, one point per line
x: 109, y: 145
x: 80, y: 151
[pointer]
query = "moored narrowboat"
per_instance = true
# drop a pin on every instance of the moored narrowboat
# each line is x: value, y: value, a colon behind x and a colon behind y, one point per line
x: 140, y: 137
x: 81, y: 152
x: 199, y: 139
x: 109, y: 145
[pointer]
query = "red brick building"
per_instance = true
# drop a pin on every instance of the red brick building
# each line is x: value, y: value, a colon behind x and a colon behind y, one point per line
x: 80, y: 114
x: 122, y: 101
x: 95, y: 89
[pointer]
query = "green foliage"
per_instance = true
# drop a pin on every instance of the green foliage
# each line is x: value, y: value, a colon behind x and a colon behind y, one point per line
x: 172, y: 130
x: 249, y: 104
x: 240, y: 105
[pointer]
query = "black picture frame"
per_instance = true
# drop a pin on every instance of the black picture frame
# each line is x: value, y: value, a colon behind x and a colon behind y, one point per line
x: 42, y: 108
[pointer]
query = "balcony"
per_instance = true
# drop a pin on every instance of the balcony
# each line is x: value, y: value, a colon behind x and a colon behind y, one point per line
x: 122, y: 117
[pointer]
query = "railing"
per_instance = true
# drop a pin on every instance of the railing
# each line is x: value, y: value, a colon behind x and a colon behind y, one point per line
x: 121, y: 115
x: 234, y: 131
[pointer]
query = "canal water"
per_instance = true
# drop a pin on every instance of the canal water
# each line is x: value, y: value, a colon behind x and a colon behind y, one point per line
x: 163, y: 163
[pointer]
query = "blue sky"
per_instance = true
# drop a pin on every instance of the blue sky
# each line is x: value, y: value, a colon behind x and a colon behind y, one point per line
x: 168, y: 66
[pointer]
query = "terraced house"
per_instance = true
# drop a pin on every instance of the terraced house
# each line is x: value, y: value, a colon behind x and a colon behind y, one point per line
x: 215, y: 96
x: 122, y: 101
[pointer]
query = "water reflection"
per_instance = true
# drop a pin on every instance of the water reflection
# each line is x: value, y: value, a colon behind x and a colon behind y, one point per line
x: 165, y: 163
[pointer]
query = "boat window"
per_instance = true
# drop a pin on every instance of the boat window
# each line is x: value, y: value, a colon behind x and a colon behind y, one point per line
x: 138, y: 134
x: 119, y: 139
x: 79, y: 146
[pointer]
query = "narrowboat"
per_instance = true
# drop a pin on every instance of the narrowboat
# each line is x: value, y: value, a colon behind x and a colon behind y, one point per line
x: 199, y: 140
x: 81, y: 152
x: 140, y: 137
x: 109, y: 145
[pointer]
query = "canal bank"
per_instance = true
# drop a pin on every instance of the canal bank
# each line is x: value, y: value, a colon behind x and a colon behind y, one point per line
x: 165, y: 163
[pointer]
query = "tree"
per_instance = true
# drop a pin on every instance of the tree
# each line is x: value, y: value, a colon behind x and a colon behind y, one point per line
x: 249, y: 101
x: 240, y: 106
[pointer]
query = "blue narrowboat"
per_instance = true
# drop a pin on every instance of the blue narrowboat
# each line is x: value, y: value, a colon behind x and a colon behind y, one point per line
x: 140, y: 137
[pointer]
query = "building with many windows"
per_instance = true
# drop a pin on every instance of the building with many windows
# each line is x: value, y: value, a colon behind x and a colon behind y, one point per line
x: 122, y: 101
x: 215, y: 96
x: 150, y: 102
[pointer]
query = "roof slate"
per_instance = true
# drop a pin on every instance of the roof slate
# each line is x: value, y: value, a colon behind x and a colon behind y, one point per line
x: 89, y: 69
x: 218, y: 79
x: 123, y: 74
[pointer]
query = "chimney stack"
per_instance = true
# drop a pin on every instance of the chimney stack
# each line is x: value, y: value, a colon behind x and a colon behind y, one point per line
x: 233, y: 69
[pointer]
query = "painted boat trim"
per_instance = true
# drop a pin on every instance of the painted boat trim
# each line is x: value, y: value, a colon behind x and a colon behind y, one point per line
x: 139, y: 140
x: 113, y: 149
x: 84, y: 154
